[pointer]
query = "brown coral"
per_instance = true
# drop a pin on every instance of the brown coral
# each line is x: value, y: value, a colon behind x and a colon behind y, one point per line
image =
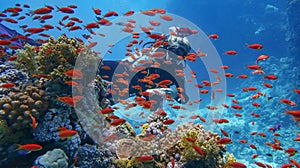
x: 18, y: 103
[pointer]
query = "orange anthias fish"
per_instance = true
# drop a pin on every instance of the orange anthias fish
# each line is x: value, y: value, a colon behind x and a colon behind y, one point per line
x: 213, y: 36
x: 118, y: 122
x: 231, y: 52
x: 289, y: 102
x: 7, y: 85
x: 236, y: 165
x: 255, y: 46
x: 107, y: 110
x: 34, y: 122
x: 144, y: 158
x: 198, y: 150
x: 224, y: 141
x: 69, y: 100
x: 29, y: 147
x: 74, y: 73
x: 73, y: 83
x: 65, y: 133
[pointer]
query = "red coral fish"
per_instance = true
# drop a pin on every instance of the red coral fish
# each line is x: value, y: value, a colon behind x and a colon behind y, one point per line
x: 29, y: 147
x: 148, y: 12
x: 44, y: 10
x: 73, y: 83
x: 34, y: 122
x: 129, y: 13
x: 168, y: 122
x: 262, y: 57
x: 35, y: 30
x: 255, y: 46
x: 271, y: 77
x: 118, y: 122
x: 111, y: 13
x: 65, y: 9
x: 213, y: 36
x: 190, y: 139
x: 97, y: 11
x: 5, y: 42
x: 144, y: 158
x: 224, y: 132
x: 295, y: 113
x: 224, y: 141
x: 74, y: 73
x: 198, y: 150
x: 107, y: 110
x: 7, y: 85
x: 231, y: 52
x: 69, y: 100
x: 65, y: 133
x: 236, y: 165
x: 288, y: 102
x: 166, y: 17
x: 260, y: 164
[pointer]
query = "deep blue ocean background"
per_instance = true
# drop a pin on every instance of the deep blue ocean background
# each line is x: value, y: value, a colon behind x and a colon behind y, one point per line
x: 238, y: 23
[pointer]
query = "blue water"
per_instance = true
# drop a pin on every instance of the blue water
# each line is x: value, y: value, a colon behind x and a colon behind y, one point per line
x: 238, y: 23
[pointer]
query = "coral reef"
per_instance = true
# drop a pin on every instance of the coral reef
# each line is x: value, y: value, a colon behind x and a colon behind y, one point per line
x: 4, y: 132
x: 16, y: 106
x: 93, y: 156
x: 55, y: 158
x: 173, y: 146
x: 205, y: 140
x: 8, y: 73
x: 56, y: 55
x: 48, y: 130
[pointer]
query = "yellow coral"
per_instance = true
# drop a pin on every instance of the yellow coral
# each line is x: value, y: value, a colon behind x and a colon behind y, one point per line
x: 229, y: 158
x: 54, y: 57
x: 144, y: 128
x: 206, y: 141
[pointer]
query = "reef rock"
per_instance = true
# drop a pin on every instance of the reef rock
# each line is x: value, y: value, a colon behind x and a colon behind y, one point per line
x: 93, y: 156
x: 53, y: 159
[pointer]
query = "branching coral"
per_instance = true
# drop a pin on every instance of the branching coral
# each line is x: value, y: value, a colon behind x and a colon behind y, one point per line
x: 56, y: 54
x: 56, y: 57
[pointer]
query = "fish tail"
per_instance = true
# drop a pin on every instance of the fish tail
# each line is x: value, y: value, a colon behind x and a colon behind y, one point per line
x: 19, y: 147
x: 57, y: 8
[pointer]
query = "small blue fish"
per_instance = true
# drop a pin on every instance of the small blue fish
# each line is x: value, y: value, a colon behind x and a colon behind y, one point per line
x: 276, y: 127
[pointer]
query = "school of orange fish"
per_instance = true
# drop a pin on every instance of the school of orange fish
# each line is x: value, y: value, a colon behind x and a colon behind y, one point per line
x: 15, y: 15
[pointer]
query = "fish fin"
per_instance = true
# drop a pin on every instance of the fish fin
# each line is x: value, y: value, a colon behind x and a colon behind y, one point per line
x: 23, y: 152
x: 62, y: 128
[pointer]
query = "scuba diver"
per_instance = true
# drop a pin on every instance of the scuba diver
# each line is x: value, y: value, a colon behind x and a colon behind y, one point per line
x: 175, y: 46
